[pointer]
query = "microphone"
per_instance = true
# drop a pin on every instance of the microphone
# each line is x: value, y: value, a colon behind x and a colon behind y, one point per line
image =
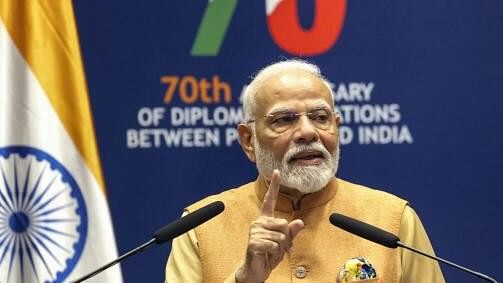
x: 387, y: 239
x: 188, y: 222
x: 168, y: 232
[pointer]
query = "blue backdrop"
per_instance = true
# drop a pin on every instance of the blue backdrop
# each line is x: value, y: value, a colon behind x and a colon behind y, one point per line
x: 419, y: 86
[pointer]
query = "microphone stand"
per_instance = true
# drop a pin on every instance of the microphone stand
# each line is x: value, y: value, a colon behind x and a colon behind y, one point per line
x: 169, y: 232
x: 117, y: 260
x: 473, y: 272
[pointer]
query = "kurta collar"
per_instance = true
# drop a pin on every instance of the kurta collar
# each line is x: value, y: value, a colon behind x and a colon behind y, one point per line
x: 307, y: 202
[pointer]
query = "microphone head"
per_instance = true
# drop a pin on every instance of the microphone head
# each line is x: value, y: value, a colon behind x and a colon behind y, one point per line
x: 188, y: 222
x: 364, y: 230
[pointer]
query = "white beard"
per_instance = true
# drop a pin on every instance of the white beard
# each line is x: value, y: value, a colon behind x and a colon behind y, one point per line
x: 306, y: 179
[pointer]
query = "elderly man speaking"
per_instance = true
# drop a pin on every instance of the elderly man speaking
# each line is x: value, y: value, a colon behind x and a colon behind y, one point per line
x: 276, y: 228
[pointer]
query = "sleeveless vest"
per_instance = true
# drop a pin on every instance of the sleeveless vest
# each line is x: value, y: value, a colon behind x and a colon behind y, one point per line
x: 319, y: 250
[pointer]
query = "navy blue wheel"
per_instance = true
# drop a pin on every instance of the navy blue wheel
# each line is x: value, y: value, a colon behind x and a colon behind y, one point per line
x: 43, y: 218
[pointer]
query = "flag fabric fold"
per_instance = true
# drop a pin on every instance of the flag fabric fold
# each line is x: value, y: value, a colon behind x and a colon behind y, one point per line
x: 55, y: 224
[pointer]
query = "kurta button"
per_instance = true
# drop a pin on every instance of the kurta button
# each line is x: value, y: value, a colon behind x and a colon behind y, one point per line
x: 300, y: 271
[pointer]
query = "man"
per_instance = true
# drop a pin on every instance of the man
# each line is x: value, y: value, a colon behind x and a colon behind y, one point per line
x: 291, y: 133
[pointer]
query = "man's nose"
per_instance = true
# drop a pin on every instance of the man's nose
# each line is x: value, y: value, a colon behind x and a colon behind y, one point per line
x: 305, y: 131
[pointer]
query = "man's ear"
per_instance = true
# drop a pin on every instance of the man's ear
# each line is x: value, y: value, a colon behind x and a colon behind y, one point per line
x: 246, y: 141
x: 337, y: 121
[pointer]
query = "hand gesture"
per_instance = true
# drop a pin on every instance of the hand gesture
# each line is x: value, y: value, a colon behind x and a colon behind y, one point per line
x: 269, y: 239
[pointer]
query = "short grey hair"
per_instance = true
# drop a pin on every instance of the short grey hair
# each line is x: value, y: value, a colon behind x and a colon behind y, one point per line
x: 249, y: 101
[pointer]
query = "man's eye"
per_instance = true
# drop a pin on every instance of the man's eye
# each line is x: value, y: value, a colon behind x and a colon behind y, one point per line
x: 319, y: 116
x: 284, y: 118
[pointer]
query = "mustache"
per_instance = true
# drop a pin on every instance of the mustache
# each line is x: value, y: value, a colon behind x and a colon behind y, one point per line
x: 307, y: 147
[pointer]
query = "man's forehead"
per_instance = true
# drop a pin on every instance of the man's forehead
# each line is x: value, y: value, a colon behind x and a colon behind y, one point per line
x: 297, y: 86
x: 307, y: 105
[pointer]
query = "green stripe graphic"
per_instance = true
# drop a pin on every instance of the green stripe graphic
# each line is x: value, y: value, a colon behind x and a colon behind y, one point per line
x: 213, y: 27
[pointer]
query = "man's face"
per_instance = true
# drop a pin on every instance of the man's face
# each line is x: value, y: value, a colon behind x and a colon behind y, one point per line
x: 305, y: 152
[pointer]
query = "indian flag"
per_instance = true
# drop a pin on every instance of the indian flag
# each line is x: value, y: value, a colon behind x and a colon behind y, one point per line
x: 55, y: 224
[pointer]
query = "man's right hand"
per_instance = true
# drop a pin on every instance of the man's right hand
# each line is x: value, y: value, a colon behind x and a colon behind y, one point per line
x: 269, y: 239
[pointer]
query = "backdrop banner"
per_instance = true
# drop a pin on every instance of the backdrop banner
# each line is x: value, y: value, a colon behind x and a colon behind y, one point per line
x: 417, y: 84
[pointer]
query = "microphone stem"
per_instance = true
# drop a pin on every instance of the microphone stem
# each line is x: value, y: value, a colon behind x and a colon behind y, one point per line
x: 480, y: 275
x: 128, y: 254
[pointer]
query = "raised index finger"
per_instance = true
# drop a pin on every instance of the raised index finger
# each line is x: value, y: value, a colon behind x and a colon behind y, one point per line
x: 271, y: 195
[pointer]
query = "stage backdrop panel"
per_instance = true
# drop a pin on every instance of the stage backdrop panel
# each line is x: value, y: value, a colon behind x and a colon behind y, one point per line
x: 418, y: 85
